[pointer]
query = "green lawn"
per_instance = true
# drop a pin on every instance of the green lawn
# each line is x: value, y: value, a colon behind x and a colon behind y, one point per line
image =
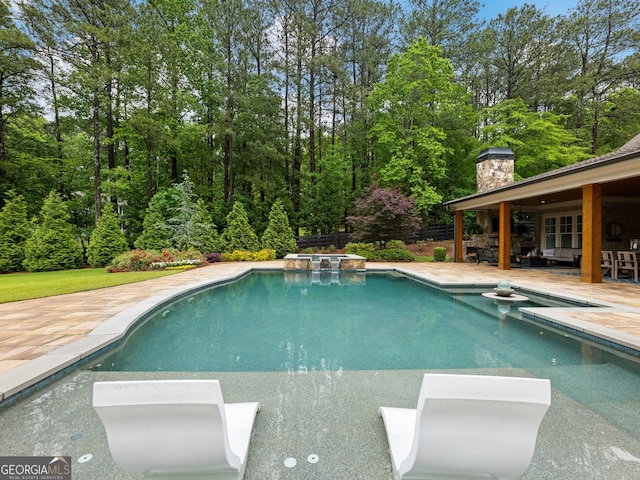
x: 25, y: 286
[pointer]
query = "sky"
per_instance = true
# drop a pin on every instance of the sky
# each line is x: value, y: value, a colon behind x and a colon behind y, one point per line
x: 552, y: 7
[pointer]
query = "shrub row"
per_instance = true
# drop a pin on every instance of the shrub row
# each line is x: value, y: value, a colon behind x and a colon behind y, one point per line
x: 143, y: 260
x: 245, y: 256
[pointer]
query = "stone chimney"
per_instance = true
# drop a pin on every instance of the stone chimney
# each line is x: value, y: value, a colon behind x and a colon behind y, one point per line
x: 494, y: 168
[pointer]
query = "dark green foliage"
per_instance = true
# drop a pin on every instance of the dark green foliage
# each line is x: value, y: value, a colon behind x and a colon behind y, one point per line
x: 439, y: 254
x: 393, y: 255
x: 396, y: 245
x: 366, y: 250
x: 107, y: 240
x: 278, y: 236
x: 14, y: 232
x: 52, y: 245
x: 239, y: 235
x: 154, y: 230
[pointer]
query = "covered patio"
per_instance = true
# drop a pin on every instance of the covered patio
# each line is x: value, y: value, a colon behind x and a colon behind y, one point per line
x: 587, y: 207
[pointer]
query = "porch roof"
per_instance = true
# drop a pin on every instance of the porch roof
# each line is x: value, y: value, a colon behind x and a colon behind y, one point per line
x: 618, y: 172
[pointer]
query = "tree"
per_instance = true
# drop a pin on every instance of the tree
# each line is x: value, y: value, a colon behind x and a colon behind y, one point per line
x: 183, y: 225
x: 278, y: 236
x: 383, y: 214
x: 324, y: 211
x: 444, y: 23
x: 539, y: 140
x: 406, y: 108
x: 107, y: 240
x: 205, y: 238
x: 14, y: 232
x: 52, y: 245
x: 522, y: 37
x: 154, y: 234
x: 601, y: 33
x: 239, y: 235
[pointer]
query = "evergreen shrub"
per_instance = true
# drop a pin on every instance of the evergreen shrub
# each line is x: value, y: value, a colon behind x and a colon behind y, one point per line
x: 366, y: 250
x: 245, y: 256
x: 393, y: 255
x: 395, y: 245
x: 439, y: 254
x: 155, y: 232
x: 278, y: 235
x: 53, y: 245
x: 107, y: 240
x: 239, y: 235
x: 15, y: 230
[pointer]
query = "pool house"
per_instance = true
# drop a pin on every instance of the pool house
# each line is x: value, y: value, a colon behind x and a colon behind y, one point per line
x: 577, y: 211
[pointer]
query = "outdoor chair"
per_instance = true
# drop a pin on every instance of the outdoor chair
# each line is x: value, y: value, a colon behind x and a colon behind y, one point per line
x: 175, y: 429
x: 608, y: 263
x: 467, y: 426
x: 627, y: 263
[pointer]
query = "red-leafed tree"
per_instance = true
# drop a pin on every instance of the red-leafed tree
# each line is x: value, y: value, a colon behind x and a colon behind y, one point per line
x: 383, y: 214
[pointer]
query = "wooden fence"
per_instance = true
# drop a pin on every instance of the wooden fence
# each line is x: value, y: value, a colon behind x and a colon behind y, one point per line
x: 339, y: 240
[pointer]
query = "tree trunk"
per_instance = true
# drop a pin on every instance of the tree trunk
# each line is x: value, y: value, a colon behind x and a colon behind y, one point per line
x: 97, y: 183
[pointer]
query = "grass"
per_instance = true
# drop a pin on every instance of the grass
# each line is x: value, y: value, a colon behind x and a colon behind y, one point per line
x: 26, y: 286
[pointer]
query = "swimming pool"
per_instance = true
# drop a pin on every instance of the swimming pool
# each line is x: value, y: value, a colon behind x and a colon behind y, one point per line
x: 261, y: 323
x: 264, y: 323
x: 329, y: 413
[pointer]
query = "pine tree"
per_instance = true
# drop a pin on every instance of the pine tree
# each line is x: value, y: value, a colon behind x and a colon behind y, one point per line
x: 278, y: 235
x: 205, y: 238
x: 107, y: 240
x: 52, y: 245
x: 239, y: 235
x: 154, y: 234
x: 14, y: 232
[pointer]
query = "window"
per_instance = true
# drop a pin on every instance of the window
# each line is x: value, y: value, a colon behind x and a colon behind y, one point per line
x: 564, y: 231
x: 549, y: 232
x: 579, y: 231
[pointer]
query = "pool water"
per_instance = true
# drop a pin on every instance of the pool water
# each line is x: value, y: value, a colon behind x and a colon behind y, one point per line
x: 384, y: 322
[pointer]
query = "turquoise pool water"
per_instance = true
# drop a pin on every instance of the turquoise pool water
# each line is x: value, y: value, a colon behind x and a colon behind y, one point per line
x: 374, y: 322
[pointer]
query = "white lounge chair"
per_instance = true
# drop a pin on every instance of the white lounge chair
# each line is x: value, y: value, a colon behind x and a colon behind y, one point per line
x: 467, y: 426
x: 175, y: 429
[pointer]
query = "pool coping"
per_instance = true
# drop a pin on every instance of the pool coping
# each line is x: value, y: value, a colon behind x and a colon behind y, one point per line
x: 34, y: 374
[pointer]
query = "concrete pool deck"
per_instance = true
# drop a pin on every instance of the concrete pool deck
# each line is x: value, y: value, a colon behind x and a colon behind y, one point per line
x: 329, y: 414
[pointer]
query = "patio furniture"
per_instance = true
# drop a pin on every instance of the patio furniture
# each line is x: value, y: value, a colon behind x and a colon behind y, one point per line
x: 563, y: 255
x: 608, y: 263
x: 533, y: 261
x: 175, y: 429
x: 467, y: 426
x: 627, y: 263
